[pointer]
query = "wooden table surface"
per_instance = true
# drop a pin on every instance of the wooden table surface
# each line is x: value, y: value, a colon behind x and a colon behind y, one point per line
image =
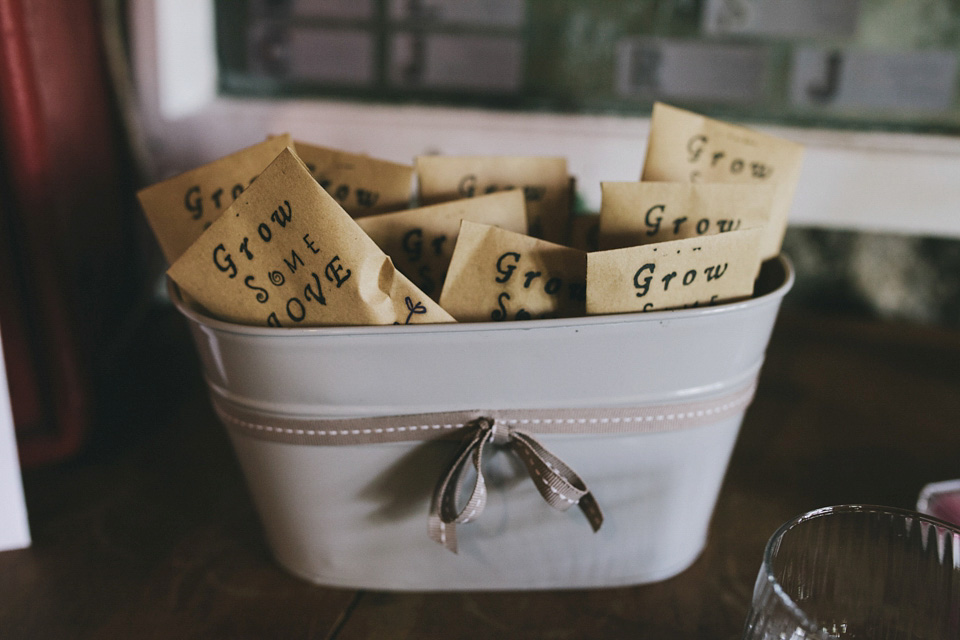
x: 151, y: 534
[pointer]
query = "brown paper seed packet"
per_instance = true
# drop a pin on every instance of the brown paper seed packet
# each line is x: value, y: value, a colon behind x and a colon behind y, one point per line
x: 687, y: 147
x: 497, y: 274
x: 420, y: 241
x: 180, y: 208
x: 633, y: 213
x: 671, y: 275
x: 285, y: 254
x: 543, y: 180
x: 361, y: 184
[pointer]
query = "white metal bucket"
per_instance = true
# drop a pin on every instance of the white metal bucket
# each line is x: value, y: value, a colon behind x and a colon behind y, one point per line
x: 355, y: 515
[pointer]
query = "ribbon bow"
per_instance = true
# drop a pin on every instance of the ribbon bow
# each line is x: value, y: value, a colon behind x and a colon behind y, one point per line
x: 556, y: 482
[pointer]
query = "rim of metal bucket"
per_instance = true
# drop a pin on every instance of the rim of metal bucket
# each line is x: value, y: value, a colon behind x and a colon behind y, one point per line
x: 771, y: 297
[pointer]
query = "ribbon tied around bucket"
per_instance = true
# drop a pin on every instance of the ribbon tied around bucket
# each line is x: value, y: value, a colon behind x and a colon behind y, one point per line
x: 560, y: 487
x: 555, y: 481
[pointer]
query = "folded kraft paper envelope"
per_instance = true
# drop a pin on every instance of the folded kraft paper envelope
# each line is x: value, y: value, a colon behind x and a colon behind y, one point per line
x: 361, y: 184
x: 635, y: 213
x: 285, y: 254
x: 688, y: 147
x: 544, y: 182
x: 687, y: 273
x: 180, y: 208
x: 496, y: 274
x: 421, y: 241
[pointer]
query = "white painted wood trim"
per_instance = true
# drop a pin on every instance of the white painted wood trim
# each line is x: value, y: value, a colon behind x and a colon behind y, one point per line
x: 901, y: 183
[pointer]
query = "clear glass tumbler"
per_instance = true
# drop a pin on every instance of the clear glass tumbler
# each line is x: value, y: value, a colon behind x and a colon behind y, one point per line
x: 857, y: 571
